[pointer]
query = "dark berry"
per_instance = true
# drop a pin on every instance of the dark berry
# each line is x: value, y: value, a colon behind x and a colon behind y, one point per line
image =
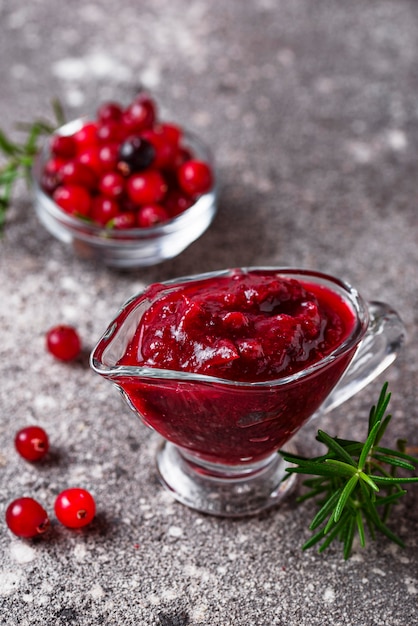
x: 135, y: 154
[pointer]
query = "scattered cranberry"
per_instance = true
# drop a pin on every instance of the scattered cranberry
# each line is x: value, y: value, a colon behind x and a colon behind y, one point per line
x: 63, y: 342
x: 75, y: 507
x: 130, y: 156
x: 25, y: 517
x: 32, y: 443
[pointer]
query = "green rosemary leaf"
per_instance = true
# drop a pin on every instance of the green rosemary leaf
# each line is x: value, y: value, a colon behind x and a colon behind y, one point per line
x: 325, y: 511
x: 341, y: 467
x: 349, y: 537
x: 333, y: 532
x: 335, y: 446
x: 397, y: 453
x: 6, y: 145
x: 390, y: 499
x: 360, y: 529
x: 368, y: 479
x: 368, y: 445
x: 19, y: 158
x: 395, y: 480
x: 392, y: 460
x: 345, y: 494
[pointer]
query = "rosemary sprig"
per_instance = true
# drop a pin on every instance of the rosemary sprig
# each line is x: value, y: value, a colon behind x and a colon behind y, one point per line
x: 18, y: 157
x: 355, y: 484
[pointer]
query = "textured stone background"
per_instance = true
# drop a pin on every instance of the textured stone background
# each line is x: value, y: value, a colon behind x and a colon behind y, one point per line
x: 311, y: 109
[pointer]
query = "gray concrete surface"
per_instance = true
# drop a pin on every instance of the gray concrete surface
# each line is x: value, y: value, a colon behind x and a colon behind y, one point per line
x: 311, y: 109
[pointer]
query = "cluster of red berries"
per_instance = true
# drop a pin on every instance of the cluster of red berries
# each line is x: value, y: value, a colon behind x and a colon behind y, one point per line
x: 125, y: 169
x: 74, y: 507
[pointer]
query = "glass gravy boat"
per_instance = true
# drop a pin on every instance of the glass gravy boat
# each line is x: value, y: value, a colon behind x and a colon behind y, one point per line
x: 220, y: 437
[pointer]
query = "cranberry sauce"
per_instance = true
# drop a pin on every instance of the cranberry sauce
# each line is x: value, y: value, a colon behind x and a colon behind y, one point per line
x: 245, y: 328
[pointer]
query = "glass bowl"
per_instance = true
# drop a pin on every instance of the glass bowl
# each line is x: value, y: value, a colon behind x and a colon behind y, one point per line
x: 126, y: 248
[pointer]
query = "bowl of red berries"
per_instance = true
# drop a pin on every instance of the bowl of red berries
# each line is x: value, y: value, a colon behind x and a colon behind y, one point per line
x: 125, y: 188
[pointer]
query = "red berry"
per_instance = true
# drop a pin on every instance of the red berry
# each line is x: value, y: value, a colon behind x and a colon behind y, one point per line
x: 77, y: 173
x: 165, y: 150
x: 112, y: 185
x: 73, y: 199
x: 109, y: 111
x: 122, y: 221
x: 151, y: 215
x: 75, y: 507
x: 108, y: 157
x: 64, y: 146
x: 195, y: 177
x: 110, y: 131
x: 141, y: 114
x: 147, y: 187
x: 90, y: 158
x: 176, y: 202
x: 63, y: 342
x: 103, y: 209
x: 32, y: 443
x: 53, y: 165
x: 86, y: 136
x: 25, y: 517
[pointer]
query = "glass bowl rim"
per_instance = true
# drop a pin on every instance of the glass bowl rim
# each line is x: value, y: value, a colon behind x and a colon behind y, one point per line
x: 357, y: 302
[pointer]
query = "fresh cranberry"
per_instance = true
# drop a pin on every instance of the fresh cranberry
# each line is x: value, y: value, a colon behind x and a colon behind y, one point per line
x: 141, y: 114
x: 86, y: 136
x: 177, y: 202
x: 63, y: 342
x: 49, y: 182
x: 54, y: 165
x: 76, y: 173
x: 32, y: 443
x: 108, y: 157
x: 25, y: 517
x: 151, y: 215
x: 109, y: 112
x: 103, y: 210
x: 75, y: 507
x: 110, y: 131
x: 148, y: 187
x: 64, y: 146
x: 171, y: 132
x: 73, y: 199
x: 195, y: 177
x: 123, y: 221
x: 90, y: 157
x: 112, y: 185
x: 165, y: 150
